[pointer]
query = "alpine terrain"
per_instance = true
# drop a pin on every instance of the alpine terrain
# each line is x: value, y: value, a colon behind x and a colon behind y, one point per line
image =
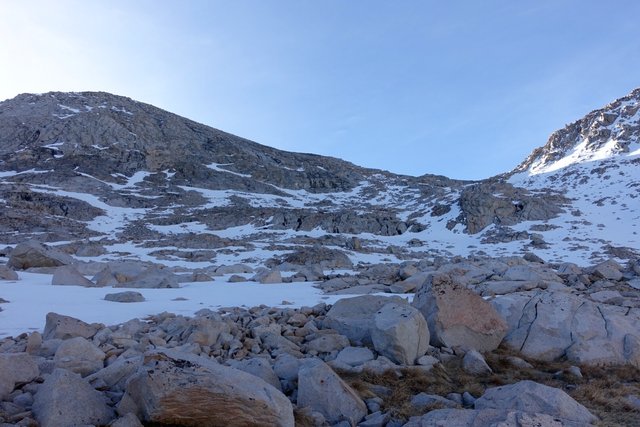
x: 276, y: 288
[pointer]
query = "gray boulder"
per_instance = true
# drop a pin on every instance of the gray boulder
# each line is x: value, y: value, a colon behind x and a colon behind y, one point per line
x: 68, y: 275
x: 320, y: 389
x: 609, y: 270
x: 127, y: 296
x: 64, y: 327
x: 7, y: 274
x: 400, y: 333
x: 115, y: 375
x: 354, y: 317
x: 66, y: 399
x: 34, y: 254
x: 531, y: 397
x: 16, y: 368
x: 180, y: 388
x: 473, y: 363
x: 354, y: 356
x: 259, y: 367
x: 328, y: 343
x: 80, y: 356
x: 458, y: 317
x: 129, y: 274
x: 548, y: 325
x: 487, y: 417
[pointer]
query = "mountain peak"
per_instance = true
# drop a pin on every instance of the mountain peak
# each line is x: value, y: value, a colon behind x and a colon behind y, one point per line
x: 611, y: 131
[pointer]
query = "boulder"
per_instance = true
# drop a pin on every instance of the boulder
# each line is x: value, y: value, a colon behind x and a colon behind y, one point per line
x: 486, y: 417
x: 16, y: 368
x: 34, y: 254
x: 547, y: 325
x: 354, y: 356
x: 531, y: 397
x: 234, y: 269
x: 64, y: 327
x: 354, y: 317
x: 609, y: 270
x: 259, y: 367
x: 128, y: 420
x: 7, y: 274
x: 67, y: 275
x: 80, y: 356
x: 328, y: 343
x: 66, y: 399
x: 320, y: 256
x: 127, y: 296
x: 183, y: 389
x: 268, y: 276
x: 115, y: 376
x: 473, y: 363
x: 400, y: 333
x: 129, y: 274
x: 458, y: 317
x: 205, y: 330
x: 320, y: 389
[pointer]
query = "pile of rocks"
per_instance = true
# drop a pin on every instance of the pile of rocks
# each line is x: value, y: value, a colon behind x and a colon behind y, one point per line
x: 266, y: 366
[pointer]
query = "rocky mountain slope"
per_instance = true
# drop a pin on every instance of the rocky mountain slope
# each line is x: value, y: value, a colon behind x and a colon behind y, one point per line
x: 199, y: 225
x: 148, y: 184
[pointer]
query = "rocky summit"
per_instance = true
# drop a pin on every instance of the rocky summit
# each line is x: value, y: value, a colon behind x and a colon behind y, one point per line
x: 513, y: 300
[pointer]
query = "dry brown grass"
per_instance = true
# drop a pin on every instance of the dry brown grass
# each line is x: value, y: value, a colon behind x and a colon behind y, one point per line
x: 602, y: 390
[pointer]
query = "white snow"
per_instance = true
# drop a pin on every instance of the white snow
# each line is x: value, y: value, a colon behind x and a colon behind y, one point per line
x: 216, y: 167
x: 32, y: 297
x: 73, y: 110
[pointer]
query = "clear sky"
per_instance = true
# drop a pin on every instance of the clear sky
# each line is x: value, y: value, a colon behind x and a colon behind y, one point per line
x: 462, y: 88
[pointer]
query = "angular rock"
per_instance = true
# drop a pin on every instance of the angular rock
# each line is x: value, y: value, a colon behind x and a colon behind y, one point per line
x: 7, y: 274
x: 115, y: 375
x: 354, y: 317
x: 473, y: 363
x: 487, y: 417
x: 80, y: 356
x: 531, y: 397
x: 127, y: 296
x: 609, y: 270
x: 328, y: 343
x: 457, y: 317
x: 63, y: 327
x: 68, y: 275
x: 182, y: 389
x: 400, y: 333
x: 66, y: 399
x: 268, y: 276
x: 354, y: 356
x: 259, y: 367
x: 34, y: 254
x: 16, y: 368
x: 547, y: 325
x: 320, y: 389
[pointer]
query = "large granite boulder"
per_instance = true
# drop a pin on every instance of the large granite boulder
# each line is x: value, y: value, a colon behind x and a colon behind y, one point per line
x: 457, y: 317
x: 7, y: 274
x: 322, y: 390
x: 34, y: 254
x: 16, y: 368
x: 64, y: 327
x: 400, y: 333
x: 548, y: 325
x: 532, y: 397
x: 80, y: 356
x: 68, y: 275
x: 182, y: 389
x: 66, y: 399
x: 354, y: 317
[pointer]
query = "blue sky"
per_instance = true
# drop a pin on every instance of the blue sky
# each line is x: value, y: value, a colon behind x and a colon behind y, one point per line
x: 465, y: 89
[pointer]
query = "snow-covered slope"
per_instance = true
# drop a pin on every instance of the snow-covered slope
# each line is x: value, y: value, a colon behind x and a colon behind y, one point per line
x: 91, y: 169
